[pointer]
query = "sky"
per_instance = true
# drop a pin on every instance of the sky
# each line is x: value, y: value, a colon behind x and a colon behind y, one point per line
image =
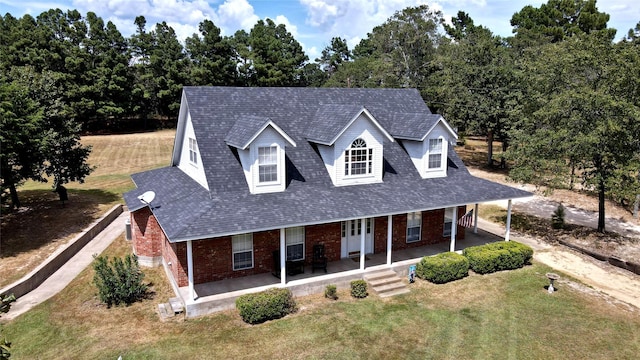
x: 313, y: 23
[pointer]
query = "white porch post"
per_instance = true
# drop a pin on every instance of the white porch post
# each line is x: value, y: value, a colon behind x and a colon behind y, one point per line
x: 363, y: 231
x: 283, y: 258
x: 454, y: 228
x: 192, y: 292
x: 389, y: 240
x: 475, y: 219
x: 508, y: 230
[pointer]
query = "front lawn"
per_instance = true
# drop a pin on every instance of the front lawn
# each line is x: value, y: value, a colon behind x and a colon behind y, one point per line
x: 505, y: 315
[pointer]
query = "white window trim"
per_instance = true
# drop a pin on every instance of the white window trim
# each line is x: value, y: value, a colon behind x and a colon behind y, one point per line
x: 441, y: 152
x: 234, y: 252
x: 411, y: 217
x: 445, y: 231
x: 277, y: 164
x: 193, y: 151
x: 289, y: 234
x: 348, y: 164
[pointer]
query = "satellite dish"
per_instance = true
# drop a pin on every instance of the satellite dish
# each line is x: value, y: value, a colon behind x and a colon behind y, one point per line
x: 147, y: 197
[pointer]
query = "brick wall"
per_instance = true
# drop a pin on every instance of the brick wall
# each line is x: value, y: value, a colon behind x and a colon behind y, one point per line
x: 327, y: 234
x: 146, y: 234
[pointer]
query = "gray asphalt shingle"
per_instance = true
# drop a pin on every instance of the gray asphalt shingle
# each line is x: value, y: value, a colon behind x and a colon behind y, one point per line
x: 185, y: 210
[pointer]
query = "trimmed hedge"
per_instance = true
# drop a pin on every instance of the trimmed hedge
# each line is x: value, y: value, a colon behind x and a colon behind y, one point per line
x: 359, y: 289
x: 442, y: 268
x: 266, y: 305
x: 488, y: 258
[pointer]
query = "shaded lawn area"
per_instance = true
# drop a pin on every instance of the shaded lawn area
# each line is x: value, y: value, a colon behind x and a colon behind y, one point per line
x: 506, y: 315
x: 42, y: 225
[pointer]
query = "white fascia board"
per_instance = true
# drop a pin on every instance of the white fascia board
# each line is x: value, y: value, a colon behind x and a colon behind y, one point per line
x: 210, y: 236
x: 357, y: 115
x: 276, y: 128
x: 446, y: 125
x: 180, y: 130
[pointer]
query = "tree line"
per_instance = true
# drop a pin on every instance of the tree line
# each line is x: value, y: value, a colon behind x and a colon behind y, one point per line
x: 561, y: 94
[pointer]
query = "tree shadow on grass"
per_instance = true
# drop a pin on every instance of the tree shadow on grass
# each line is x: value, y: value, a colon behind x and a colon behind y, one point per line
x: 43, y: 220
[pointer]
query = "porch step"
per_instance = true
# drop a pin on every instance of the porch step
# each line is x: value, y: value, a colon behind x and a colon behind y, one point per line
x: 176, y: 305
x: 386, y: 283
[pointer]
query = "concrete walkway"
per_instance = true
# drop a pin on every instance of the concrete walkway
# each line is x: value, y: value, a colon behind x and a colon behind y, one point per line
x: 61, y: 278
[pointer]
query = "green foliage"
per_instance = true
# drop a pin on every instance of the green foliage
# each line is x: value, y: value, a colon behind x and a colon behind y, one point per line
x: 5, y: 305
x: 119, y: 281
x: 557, y: 218
x: 443, y: 268
x: 330, y: 292
x: 498, y: 256
x: 359, y: 289
x: 266, y: 305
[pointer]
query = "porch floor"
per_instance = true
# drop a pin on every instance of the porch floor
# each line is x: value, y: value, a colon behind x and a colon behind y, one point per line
x: 220, y: 295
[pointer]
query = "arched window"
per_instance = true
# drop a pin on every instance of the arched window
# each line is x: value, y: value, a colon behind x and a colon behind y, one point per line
x: 358, y: 159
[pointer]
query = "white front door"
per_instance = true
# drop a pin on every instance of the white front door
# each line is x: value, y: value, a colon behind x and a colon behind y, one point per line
x: 351, y: 234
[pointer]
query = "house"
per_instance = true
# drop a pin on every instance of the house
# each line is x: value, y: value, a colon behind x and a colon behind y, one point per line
x: 258, y: 172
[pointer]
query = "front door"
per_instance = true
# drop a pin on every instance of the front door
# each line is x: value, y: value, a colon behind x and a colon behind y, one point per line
x: 351, y: 234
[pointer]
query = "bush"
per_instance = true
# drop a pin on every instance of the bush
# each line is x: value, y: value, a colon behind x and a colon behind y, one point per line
x: 359, y: 289
x: 330, y: 292
x: 443, y: 267
x: 498, y: 256
x: 120, y: 281
x: 266, y: 305
x: 557, y: 219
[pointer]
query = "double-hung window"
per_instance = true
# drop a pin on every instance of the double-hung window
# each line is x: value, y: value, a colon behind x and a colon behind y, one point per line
x: 448, y: 220
x: 193, y: 151
x: 295, y: 243
x: 358, y: 159
x: 414, y: 225
x: 267, y: 164
x: 435, y: 154
x: 242, y: 248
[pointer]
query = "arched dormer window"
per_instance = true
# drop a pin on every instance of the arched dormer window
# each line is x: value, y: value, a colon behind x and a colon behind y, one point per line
x: 358, y: 159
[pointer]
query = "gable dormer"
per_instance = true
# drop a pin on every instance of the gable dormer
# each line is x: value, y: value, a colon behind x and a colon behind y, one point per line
x: 350, y: 141
x: 427, y: 143
x: 261, y: 149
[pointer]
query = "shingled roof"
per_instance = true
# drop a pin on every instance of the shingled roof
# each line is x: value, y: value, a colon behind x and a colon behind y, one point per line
x: 187, y: 211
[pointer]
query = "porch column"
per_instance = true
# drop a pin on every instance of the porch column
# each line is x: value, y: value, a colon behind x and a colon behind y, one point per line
x: 389, y: 238
x: 475, y: 219
x: 192, y: 292
x: 283, y: 258
x: 454, y: 228
x: 508, y: 230
x: 363, y: 232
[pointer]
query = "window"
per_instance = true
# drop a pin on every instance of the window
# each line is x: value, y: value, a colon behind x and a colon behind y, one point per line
x: 193, y: 151
x: 435, y: 154
x: 358, y: 160
x: 448, y: 219
x: 242, y: 248
x: 267, y: 164
x: 414, y: 224
x: 295, y: 243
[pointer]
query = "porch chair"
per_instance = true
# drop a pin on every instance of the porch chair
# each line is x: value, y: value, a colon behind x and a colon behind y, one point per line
x: 319, y: 260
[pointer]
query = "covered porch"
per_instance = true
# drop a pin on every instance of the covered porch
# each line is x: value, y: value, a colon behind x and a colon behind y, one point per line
x: 205, y: 298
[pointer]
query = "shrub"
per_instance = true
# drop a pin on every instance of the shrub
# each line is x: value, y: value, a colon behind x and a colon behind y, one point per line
x: 359, y: 289
x: 330, y: 292
x: 443, y: 267
x: 266, y: 305
x: 557, y: 219
x: 498, y: 256
x: 119, y: 281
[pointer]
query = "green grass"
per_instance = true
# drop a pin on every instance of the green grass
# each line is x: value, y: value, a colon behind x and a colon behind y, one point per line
x: 505, y: 315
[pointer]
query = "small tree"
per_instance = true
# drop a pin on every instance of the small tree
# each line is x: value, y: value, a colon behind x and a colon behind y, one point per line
x: 557, y: 219
x: 120, y: 281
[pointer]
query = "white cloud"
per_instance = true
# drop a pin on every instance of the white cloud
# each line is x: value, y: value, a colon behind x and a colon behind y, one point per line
x: 234, y: 15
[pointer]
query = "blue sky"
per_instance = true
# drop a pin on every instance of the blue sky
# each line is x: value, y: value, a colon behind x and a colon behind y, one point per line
x: 312, y: 22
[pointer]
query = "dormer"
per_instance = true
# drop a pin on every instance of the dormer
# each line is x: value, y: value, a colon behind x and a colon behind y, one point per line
x: 426, y: 139
x: 261, y: 149
x: 350, y: 141
x: 186, y: 154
